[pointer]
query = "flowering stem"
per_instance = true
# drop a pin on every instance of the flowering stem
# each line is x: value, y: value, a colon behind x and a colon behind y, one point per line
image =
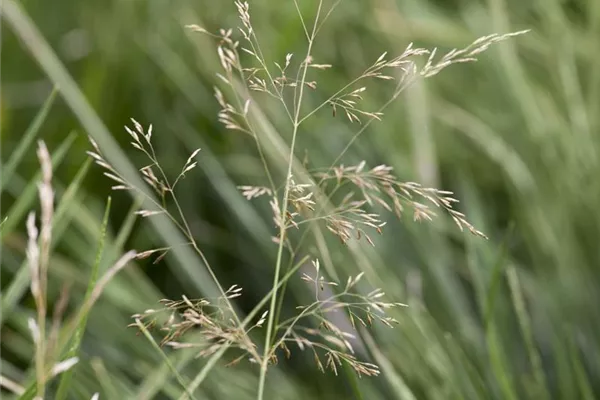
x: 282, y: 225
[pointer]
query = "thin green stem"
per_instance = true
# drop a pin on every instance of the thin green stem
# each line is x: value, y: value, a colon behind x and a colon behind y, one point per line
x: 282, y: 230
x: 302, y: 21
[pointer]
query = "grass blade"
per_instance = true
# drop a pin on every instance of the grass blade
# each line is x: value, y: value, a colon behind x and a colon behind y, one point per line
x: 66, y: 377
x: 27, y: 197
x: 525, y: 325
x: 106, y: 381
x: 165, y: 358
x: 496, y: 358
x: 26, y: 140
x: 583, y: 381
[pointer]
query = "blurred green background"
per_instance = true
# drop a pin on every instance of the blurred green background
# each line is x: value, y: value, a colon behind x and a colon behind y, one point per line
x: 515, y: 135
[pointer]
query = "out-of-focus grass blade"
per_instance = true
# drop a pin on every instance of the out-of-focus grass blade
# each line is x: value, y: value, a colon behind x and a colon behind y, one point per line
x: 125, y: 230
x: 25, y: 200
x: 472, y: 380
x: 166, y: 359
x: 585, y: 388
x: 496, y: 278
x: 352, y: 381
x: 30, y: 393
x: 9, y: 385
x: 19, y: 283
x: 142, y: 283
x: 594, y: 74
x: 525, y: 325
x: 565, y: 374
x: 395, y: 381
x: 25, y: 141
x: 66, y: 377
x: 105, y: 379
x: 494, y: 344
x: 514, y: 72
x: 155, y: 381
x: 498, y: 362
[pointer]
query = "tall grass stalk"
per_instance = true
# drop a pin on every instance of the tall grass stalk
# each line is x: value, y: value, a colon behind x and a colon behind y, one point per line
x: 284, y: 207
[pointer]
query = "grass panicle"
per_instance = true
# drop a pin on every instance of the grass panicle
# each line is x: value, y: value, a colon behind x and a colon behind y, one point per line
x: 345, y: 199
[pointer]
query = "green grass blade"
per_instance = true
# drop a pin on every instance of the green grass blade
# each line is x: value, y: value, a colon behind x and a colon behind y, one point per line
x: 126, y: 228
x: 496, y: 278
x: 67, y: 376
x: 29, y: 393
x: 352, y: 382
x: 166, y: 359
x: 566, y: 377
x: 2, y: 222
x: 494, y: 345
x: 109, y: 388
x: 156, y: 381
x: 26, y: 140
x: 498, y: 362
x: 395, y: 381
x: 525, y: 325
x: 583, y: 381
x: 24, y: 202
